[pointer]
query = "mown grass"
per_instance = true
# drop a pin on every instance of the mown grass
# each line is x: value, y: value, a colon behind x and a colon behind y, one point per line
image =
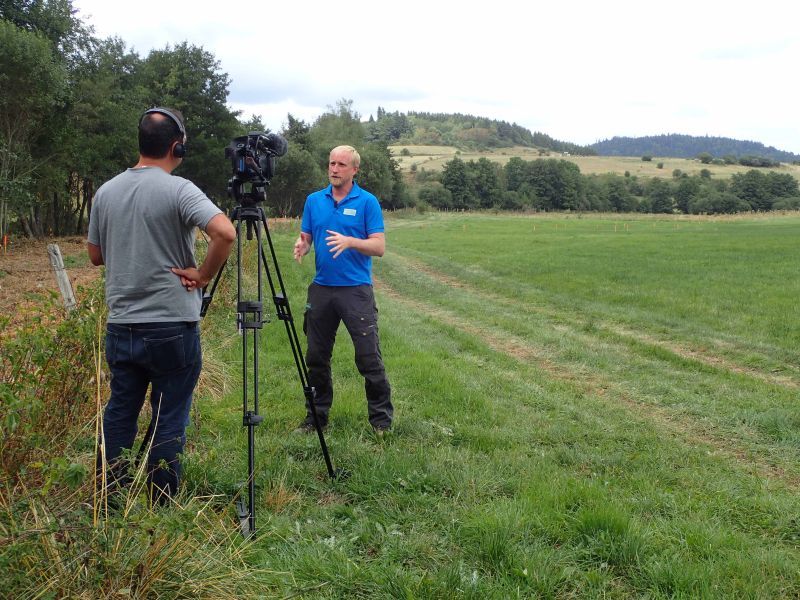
x: 583, y: 409
x: 580, y: 412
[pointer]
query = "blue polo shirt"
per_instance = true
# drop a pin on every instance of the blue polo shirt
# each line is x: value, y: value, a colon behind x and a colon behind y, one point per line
x: 358, y: 215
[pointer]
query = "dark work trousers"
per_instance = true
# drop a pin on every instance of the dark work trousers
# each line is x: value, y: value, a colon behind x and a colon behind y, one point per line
x: 355, y: 305
x: 168, y: 356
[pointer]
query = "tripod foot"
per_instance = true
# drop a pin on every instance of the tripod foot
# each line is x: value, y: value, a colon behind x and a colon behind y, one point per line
x: 244, y: 518
x: 341, y: 475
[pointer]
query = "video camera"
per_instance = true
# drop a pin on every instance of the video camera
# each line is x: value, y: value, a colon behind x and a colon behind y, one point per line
x: 253, y: 160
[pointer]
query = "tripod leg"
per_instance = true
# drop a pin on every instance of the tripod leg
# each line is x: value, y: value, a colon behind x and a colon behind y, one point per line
x: 284, y: 313
x: 249, y: 321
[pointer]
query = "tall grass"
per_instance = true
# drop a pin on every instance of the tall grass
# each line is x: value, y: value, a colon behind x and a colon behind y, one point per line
x: 60, y: 538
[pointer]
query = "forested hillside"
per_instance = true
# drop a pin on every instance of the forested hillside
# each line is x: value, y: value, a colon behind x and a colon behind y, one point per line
x: 688, y: 146
x: 461, y: 131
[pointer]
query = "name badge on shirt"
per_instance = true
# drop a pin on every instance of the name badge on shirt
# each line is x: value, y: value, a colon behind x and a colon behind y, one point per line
x: 349, y: 212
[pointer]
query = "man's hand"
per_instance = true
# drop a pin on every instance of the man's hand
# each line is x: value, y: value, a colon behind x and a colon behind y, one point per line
x: 223, y: 235
x: 302, y: 247
x: 191, y: 278
x: 374, y: 245
x: 337, y: 242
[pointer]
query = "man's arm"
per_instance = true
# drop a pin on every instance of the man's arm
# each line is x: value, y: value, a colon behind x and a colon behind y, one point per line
x: 374, y: 245
x: 223, y: 235
x: 95, y: 254
x: 302, y: 246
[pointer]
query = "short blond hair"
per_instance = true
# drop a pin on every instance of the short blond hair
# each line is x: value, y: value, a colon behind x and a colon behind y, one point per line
x: 356, y: 157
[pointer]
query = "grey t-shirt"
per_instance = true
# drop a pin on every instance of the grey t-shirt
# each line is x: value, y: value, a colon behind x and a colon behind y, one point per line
x: 144, y: 222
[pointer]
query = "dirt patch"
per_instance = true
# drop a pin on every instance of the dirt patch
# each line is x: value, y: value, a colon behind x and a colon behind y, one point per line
x: 26, y: 273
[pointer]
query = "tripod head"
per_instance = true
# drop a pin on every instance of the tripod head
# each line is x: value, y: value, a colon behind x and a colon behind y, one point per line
x: 253, y: 159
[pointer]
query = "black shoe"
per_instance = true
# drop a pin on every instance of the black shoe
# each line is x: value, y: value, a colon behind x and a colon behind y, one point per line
x: 307, y: 426
x: 382, y: 431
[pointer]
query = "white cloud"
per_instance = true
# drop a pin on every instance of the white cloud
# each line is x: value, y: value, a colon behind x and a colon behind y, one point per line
x: 577, y: 70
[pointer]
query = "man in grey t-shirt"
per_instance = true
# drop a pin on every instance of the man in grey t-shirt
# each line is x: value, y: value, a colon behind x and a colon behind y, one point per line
x: 142, y: 228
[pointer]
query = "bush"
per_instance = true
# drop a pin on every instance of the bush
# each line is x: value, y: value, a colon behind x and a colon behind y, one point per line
x: 787, y: 204
x: 705, y: 158
x: 647, y: 158
x: 436, y: 195
x: 47, y: 377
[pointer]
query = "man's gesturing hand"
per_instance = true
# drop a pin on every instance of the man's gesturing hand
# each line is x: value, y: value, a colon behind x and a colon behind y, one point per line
x: 337, y: 242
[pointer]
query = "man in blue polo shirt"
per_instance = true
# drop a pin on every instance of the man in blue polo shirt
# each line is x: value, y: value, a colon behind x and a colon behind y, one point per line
x: 347, y: 225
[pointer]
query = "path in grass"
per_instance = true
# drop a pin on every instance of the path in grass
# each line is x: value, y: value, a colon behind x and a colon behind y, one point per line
x: 746, y: 447
x: 684, y: 349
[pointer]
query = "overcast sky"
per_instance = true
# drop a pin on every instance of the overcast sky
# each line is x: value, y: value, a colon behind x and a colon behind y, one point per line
x: 579, y: 71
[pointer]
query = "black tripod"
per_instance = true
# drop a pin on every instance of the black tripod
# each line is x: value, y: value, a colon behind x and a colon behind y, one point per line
x: 250, y: 320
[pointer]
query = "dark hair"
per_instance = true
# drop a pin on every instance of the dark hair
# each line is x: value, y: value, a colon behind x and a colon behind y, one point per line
x: 157, y: 133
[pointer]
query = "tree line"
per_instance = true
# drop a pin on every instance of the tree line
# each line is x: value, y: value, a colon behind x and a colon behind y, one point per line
x: 69, y: 110
x: 557, y: 185
x: 724, y: 149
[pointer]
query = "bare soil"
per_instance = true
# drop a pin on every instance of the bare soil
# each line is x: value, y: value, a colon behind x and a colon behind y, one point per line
x: 26, y: 274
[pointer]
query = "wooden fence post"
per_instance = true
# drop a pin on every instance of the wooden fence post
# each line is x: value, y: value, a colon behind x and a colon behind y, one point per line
x: 61, y: 276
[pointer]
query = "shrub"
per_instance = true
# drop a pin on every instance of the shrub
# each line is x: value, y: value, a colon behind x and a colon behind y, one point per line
x: 787, y: 204
x: 47, y: 376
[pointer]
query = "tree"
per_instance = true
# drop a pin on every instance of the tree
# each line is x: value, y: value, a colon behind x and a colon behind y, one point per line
x: 516, y: 174
x: 705, y: 158
x: 32, y: 83
x: 659, y: 195
x: 618, y: 194
x: 455, y: 179
x: 484, y: 176
x: 100, y: 138
x: 558, y: 184
x: 189, y: 79
x: 752, y: 187
x: 340, y: 125
x: 297, y: 174
x: 297, y: 132
x: 436, y: 195
x: 710, y: 201
x: 379, y: 173
x: 782, y: 185
x: 688, y: 188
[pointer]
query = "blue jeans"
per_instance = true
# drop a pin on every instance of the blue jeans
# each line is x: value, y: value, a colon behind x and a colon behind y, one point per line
x: 168, y: 357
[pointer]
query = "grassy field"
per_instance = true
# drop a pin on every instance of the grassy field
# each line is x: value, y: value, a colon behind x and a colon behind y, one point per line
x: 586, y: 407
x: 433, y: 158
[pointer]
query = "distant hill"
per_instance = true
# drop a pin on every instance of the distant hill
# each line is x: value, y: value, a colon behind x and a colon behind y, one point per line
x: 687, y: 146
x: 462, y: 131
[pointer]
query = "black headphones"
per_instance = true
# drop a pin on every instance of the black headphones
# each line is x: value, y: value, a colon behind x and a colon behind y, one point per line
x: 179, y: 149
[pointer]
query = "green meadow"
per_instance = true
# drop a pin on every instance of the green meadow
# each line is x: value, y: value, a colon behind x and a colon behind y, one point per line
x: 585, y: 407
x: 595, y: 406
